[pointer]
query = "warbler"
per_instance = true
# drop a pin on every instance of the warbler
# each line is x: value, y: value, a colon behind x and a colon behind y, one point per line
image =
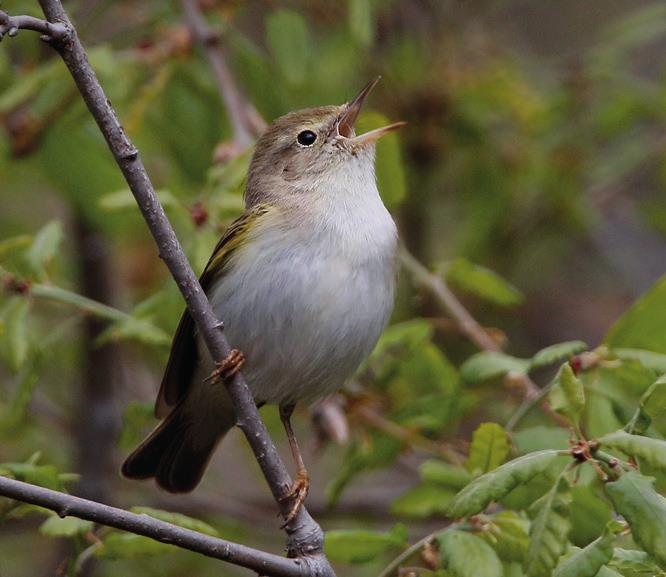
x: 303, y: 281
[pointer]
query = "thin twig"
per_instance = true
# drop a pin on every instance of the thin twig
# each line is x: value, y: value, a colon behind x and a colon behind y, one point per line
x: 68, y: 505
x: 10, y: 25
x: 394, y: 565
x: 246, y: 122
x: 305, y: 537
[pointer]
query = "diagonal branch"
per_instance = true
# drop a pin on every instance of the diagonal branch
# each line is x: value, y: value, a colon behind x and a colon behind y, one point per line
x: 245, y: 120
x: 305, y: 537
x: 66, y: 505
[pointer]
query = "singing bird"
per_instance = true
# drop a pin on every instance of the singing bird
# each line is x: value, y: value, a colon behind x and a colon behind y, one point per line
x: 304, y: 282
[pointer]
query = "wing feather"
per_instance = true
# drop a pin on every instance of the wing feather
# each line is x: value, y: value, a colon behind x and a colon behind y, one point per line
x: 183, y: 356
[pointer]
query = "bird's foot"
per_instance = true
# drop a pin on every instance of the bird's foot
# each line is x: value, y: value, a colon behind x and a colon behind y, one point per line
x: 228, y: 367
x: 298, y: 491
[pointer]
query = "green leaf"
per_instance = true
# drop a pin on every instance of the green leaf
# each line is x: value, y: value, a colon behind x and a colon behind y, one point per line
x: 557, y: 352
x: 652, y: 451
x: 142, y: 330
x: 507, y: 533
x: 128, y: 545
x: 44, y: 247
x: 540, y: 437
x: 466, y: 555
x: 177, y: 519
x: 54, y: 526
x: 634, y: 563
x: 642, y: 326
x: 494, y: 485
x: 124, y: 200
x: 14, y: 341
x: 654, y: 361
x: 489, y: 449
x: 289, y: 41
x: 43, y: 475
x: 9, y: 245
x: 482, y: 282
x: 488, y: 365
x: 635, y: 498
x: 567, y: 396
x: 361, y: 546
x: 588, y: 561
x: 589, y: 514
x: 361, y: 21
x: 423, y: 501
x: 652, y: 409
x: 549, y: 529
x: 441, y: 473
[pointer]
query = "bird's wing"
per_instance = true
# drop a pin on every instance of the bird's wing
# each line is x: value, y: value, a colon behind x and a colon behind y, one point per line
x: 183, y: 356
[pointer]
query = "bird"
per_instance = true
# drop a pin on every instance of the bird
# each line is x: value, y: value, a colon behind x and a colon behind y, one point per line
x: 303, y: 281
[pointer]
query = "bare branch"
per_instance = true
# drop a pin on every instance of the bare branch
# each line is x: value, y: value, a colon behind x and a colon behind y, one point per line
x: 10, y: 25
x: 68, y: 505
x: 305, y: 537
x: 245, y: 121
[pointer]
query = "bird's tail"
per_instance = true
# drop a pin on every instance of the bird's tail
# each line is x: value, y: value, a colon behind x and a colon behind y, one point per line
x: 177, y: 452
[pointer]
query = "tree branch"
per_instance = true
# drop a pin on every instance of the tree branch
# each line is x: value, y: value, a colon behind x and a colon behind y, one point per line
x: 10, y: 25
x: 305, y: 537
x: 245, y: 120
x: 68, y: 505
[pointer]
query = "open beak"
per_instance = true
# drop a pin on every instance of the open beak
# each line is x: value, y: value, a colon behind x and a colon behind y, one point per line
x: 348, y: 119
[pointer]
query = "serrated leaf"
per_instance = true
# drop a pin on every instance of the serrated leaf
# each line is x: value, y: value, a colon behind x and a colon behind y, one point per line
x: 289, y: 41
x: 482, y: 282
x: 642, y: 326
x: 654, y: 361
x: 422, y: 501
x: 14, y: 344
x: 494, y: 485
x: 652, y: 451
x: 557, y: 352
x: 361, y: 546
x: 444, y: 474
x: 634, y: 497
x: 44, y: 247
x: 489, y: 449
x: 634, y: 563
x: 507, y: 533
x: 488, y: 365
x: 548, y: 531
x: 128, y: 546
x: 466, y: 555
x: 567, y: 396
x: 588, y: 561
x: 54, y: 526
x: 177, y: 519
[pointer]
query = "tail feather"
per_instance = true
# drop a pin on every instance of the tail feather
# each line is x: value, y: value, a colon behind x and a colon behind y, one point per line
x: 176, y: 453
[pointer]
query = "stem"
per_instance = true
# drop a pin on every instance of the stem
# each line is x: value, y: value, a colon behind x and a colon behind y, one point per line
x: 391, y: 568
x: 65, y: 505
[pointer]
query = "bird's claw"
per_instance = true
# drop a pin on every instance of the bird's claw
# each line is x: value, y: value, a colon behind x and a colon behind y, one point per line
x: 228, y: 367
x: 298, y: 491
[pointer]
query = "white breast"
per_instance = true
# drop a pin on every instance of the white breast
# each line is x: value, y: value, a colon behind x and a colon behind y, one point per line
x: 308, y: 296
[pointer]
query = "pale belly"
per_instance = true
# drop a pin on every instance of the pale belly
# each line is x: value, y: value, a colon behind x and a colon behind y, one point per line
x: 304, y: 320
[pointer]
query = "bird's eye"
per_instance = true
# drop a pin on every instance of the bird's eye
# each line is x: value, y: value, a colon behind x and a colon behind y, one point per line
x: 306, y: 138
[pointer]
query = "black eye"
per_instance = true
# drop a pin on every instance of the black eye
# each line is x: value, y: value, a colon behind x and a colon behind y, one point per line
x: 306, y: 138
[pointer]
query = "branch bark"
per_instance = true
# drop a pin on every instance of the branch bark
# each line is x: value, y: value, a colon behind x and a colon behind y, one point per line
x: 65, y: 505
x: 305, y: 537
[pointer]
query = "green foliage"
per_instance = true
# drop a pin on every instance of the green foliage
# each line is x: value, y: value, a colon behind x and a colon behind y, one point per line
x: 507, y: 533
x: 549, y: 529
x: 482, y: 282
x: 466, y: 555
x: 55, y: 526
x: 641, y: 327
x: 634, y: 497
x: 361, y: 546
x: 128, y: 545
x: 14, y: 337
x: 489, y: 449
x: 288, y: 37
x: 588, y: 562
x: 652, y: 451
x: 486, y: 366
x: 176, y: 519
x: 44, y: 247
x: 492, y: 486
x: 567, y: 395
x: 557, y: 352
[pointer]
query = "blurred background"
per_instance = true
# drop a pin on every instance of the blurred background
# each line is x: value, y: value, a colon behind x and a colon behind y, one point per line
x: 531, y: 176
